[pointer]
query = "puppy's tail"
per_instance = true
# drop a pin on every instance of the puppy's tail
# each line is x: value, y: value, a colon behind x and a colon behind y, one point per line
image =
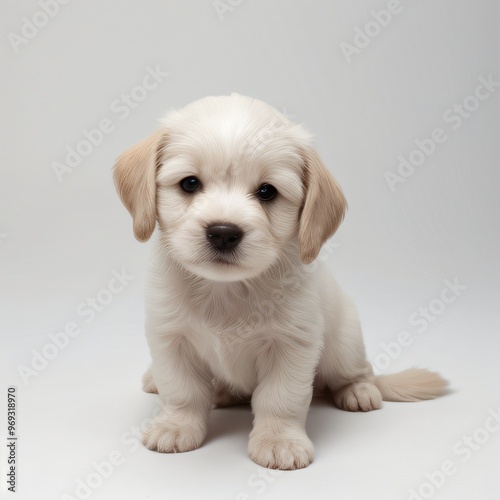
x: 414, y: 384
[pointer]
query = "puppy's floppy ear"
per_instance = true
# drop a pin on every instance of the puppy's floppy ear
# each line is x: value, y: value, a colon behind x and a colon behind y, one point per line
x: 323, y: 207
x: 135, y: 181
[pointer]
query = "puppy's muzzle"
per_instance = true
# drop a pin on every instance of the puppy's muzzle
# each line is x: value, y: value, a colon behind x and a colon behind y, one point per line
x: 224, y: 237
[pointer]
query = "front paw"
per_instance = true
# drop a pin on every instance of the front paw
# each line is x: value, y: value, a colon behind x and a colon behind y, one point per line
x: 168, y: 437
x: 279, y: 452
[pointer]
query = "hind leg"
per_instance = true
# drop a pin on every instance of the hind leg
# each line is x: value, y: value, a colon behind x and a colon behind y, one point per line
x: 224, y: 397
x: 358, y: 396
x: 148, y: 384
x: 344, y: 369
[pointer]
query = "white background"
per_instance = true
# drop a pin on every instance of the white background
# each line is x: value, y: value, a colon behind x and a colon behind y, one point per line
x: 61, y: 241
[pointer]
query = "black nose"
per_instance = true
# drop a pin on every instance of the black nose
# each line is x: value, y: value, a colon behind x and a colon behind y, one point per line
x: 224, y: 236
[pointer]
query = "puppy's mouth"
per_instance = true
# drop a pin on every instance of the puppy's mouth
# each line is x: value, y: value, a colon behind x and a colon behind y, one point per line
x: 222, y: 266
x: 224, y: 259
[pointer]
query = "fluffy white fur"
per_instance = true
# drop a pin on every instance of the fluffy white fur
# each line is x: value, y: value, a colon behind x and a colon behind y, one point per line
x: 259, y: 325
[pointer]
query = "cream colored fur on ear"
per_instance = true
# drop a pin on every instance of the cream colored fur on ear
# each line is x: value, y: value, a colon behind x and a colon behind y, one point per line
x: 323, y: 209
x: 135, y: 180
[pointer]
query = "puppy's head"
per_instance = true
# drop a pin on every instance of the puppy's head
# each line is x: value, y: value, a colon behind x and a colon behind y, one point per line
x: 232, y: 184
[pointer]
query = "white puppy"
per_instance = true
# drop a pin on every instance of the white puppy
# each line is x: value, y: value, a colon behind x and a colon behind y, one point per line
x: 234, y: 312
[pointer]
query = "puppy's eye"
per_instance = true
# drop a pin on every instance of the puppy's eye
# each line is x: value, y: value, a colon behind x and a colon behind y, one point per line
x: 190, y: 184
x: 266, y: 192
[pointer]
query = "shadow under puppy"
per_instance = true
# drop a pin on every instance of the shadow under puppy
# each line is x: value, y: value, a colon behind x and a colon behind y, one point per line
x: 233, y: 311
